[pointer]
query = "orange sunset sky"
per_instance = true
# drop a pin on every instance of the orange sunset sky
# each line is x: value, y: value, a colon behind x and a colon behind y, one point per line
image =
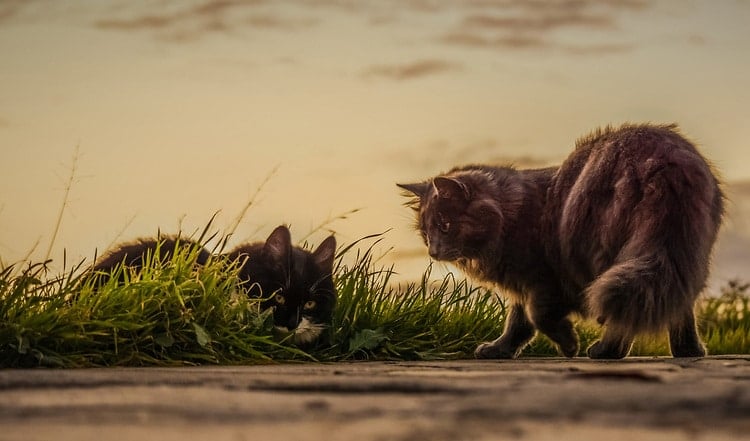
x: 180, y: 109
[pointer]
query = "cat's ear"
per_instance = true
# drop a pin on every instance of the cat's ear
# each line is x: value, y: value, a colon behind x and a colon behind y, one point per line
x: 418, y: 189
x: 451, y: 188
x: 278, y: 246
x: 325, y: 253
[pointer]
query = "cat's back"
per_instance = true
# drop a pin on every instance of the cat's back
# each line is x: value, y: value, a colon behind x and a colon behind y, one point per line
x: 644, y: 185
x: 132, y: 254
x: 253, y: 263
x: 628, y: 164
x: 635, y: 152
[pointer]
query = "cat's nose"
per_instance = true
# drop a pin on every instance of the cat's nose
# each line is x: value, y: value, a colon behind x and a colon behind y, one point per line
x: 293, y: 321
x: 433, y: 249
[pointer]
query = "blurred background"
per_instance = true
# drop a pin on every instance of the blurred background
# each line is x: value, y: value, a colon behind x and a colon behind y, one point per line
x: 166, y: 112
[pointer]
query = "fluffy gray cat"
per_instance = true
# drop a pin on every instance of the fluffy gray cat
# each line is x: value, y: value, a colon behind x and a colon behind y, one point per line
x: 622, y: 232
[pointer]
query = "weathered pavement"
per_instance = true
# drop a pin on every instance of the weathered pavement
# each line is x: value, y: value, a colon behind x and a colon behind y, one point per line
x: 534, y: 399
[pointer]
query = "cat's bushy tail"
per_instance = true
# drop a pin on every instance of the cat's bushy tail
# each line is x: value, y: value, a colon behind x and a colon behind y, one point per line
x: 643, y: 293
x: 668, y: 209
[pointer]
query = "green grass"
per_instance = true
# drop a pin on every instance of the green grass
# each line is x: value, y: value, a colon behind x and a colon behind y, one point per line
x: 427, y: 320
x: 725, y: 321
x: 169, y: 314
x: 173, y: 313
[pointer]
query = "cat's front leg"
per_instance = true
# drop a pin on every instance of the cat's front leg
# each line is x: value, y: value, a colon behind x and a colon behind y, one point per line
x: 518, y: 332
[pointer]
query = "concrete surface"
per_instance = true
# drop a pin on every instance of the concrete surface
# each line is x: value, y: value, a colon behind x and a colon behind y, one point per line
x: 527, y: 399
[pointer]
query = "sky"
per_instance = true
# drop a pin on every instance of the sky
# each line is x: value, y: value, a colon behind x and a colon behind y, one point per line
x: 168, y: 112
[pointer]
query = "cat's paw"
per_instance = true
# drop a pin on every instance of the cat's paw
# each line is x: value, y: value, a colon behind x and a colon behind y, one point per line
x: 570, y: 350
x: 689, y: 352
x: 600, y: 351
x: 493, y: 350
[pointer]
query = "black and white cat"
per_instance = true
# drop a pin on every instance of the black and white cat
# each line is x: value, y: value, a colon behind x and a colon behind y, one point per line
x: 297, y: 284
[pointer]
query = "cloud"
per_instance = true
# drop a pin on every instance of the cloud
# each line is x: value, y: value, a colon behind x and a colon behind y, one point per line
x: 410, y: 71
x: 190, y: 23
x: 540, y: 22
x: 560, y: 5
x: 473, y: 39
x: 142, y: 22
x: 537, y: 24
x: 625, y: 4
x: 10, y: 8
x: 598, y: 49
x: 697, y: 40
x: 520, y: 25
x: 269, y: 21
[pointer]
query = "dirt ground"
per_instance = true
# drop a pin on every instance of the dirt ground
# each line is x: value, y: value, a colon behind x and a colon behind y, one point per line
x: 528, y: 399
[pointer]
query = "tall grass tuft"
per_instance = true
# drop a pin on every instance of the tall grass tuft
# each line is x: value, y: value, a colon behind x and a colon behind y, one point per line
x: 725, y: 320
x: 418, y: 321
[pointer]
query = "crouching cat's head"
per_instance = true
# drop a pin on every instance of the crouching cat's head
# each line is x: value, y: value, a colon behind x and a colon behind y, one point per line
x: 296, y: 284
x: 458, y: 214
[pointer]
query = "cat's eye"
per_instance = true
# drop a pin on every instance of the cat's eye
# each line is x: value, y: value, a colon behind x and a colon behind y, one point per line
x: 310, y: 304
x: 279, y: 299
x: 443, y: 225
